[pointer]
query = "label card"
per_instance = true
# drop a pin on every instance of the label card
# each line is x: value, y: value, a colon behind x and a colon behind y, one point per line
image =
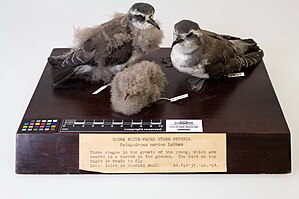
x: 174, y: 99
x: 184, y: 125
x: 241, y: 74
x: 153, y: 153
x: 101, y: 89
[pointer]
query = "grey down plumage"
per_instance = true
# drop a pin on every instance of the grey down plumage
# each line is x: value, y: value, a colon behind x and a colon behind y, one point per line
x: 204, y: 54
x: 137, y: 87
x: 102, y: 51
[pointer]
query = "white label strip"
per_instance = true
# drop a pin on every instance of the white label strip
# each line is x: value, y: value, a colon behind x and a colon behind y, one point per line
x: 184, y: 126
x: 101, y: 89
x: 241, y: 74
x: 174, y: 99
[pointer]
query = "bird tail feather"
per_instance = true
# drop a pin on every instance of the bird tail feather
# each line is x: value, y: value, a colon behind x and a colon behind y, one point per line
x: 246, y: 60
x: 57, y: 60
x: 245, y: 46
x: 59, y: 71
x: 60, y: 74
x: 64, y: 67
x: 248, y: 54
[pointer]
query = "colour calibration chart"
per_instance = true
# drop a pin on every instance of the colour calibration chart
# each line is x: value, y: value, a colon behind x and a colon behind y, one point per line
x: 39, y: 126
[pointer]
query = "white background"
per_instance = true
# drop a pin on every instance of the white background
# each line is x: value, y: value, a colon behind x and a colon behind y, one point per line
x: 30, y: 29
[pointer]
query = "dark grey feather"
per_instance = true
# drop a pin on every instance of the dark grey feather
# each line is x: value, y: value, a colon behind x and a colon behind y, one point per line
x: 118, y: 55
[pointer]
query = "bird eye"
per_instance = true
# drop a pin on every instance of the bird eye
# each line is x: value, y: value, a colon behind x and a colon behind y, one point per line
x: 140, y: 17
x: 190, y: 34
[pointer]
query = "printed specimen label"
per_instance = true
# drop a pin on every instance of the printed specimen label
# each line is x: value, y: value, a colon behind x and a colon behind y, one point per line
x: 153, y: 153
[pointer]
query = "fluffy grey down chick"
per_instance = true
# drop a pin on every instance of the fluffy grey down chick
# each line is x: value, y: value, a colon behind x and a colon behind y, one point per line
x: 137, y: 87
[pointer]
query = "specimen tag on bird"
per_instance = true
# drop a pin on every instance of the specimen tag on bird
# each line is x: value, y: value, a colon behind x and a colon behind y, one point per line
x: 153, y: 153
x: 101, y: 89
x: 174, y: 99
x: 241, y: 74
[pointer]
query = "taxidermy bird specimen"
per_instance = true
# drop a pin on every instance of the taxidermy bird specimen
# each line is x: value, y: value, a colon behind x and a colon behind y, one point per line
x: 137, y: 87
x: 102, y: 51
x: 205, y: 54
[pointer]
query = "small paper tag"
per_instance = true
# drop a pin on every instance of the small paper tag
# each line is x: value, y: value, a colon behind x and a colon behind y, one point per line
x: 241, y: 74
x: 101, y: 89
x: 174, y: 99
x: 184, y: 125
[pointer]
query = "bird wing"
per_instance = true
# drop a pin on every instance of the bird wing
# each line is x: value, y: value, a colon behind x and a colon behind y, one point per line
x: 82, y: 55
x: 218, y: 51
x: 224, y: 56
x: 96, y: 51
x: 118, y: 55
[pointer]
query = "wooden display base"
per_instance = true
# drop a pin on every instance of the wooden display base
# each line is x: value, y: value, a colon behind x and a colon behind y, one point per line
x: 246, y: 108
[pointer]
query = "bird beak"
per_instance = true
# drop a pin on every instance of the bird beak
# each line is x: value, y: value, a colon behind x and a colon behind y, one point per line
x: 126, y: 96
x: 178, y: 40
x: 151, y: 21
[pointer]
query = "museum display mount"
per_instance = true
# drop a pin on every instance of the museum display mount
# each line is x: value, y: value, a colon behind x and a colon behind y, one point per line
x: 245, y: 108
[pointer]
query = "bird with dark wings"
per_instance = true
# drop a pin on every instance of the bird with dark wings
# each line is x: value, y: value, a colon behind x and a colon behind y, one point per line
x: 102, y: 51
x: 204, y: 54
